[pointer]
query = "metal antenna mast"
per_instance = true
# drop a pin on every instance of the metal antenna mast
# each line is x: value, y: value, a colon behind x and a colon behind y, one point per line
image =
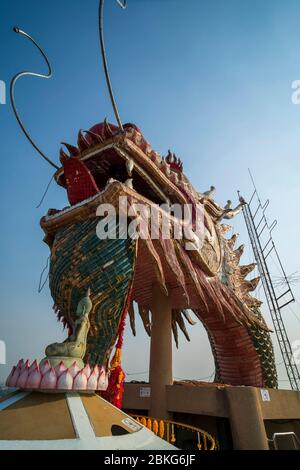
x: 260, y: 234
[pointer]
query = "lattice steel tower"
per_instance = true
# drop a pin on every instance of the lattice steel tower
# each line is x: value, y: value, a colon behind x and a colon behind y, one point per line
x: 260, y: 233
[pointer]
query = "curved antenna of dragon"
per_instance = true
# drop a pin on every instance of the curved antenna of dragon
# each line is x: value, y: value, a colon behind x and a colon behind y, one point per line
x: 12, y: 93
x: 104, y: 59
x: 14, y: 80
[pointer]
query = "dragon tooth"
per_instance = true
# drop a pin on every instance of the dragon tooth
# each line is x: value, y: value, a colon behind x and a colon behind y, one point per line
x: 145, y: 316
x: 180, y: 321
x: 132, y: 319
x: 155, y: 157
x: 128, y: 183
x: 167, y: 170
x: 174, y: 178
x: 186, y: 314
x: 111, y: 180
x: 163, y: 164
x: 174, y: 328
x: 148, y: 149
x: 129, y: 166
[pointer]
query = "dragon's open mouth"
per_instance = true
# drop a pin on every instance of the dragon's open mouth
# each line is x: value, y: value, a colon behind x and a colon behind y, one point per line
x: 105, y: 154
x: 112, y: 163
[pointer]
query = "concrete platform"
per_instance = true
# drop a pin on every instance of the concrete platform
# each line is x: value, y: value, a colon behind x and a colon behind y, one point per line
x: 70, y: 421
x: 240, y: 417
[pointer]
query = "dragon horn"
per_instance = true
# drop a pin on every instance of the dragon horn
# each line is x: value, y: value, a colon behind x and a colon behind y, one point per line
x: 82, y: 141
x: 63, y: 157
x: 74, y: 151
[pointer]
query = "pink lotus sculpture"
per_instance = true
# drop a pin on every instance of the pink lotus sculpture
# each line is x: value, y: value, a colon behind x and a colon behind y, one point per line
x: 44, y: 377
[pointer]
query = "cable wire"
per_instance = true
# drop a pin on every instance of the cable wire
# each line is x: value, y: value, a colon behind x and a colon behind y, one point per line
x: 44, y: 195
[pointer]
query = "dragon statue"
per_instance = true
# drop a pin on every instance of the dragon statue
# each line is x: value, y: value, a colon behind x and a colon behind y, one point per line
x: 114, y: 180
x: 106, y: 166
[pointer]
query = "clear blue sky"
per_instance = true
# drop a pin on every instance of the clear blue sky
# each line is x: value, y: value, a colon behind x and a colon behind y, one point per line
x: 209, y: 79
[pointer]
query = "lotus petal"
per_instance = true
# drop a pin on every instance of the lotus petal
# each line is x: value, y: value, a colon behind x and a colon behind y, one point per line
x: 60, y: 369
x: 34, y: 378
x: 21, y: 383
x: 87, y: 370
x: 15, y: 376
x: 80, y: 381
x: 96, y: 370
x: 93, y: 381
x: 65, y: 381
x: 49, y: 380
x: 20, y: 363
x: 8, y: 380
x: 103, y: 381
x: 33, y: 366
x: 25, y: 366
x: 74, y: 369
x: 45, y: 367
